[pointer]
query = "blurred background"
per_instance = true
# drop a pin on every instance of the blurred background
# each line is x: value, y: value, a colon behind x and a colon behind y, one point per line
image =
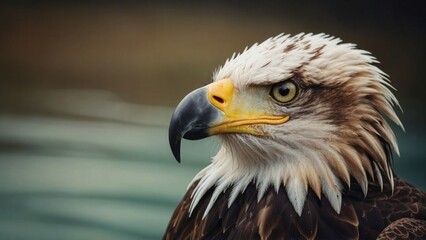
x: 88, y: 88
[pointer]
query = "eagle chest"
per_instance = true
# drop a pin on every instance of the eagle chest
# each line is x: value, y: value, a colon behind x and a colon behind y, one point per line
x: 274, y: 217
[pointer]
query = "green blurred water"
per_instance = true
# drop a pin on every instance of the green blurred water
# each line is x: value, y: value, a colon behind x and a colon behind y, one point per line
x: 90, y: 166
x: 94, y: 167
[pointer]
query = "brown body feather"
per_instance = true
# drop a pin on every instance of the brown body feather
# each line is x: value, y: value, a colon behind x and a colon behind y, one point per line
x: 394, y: 216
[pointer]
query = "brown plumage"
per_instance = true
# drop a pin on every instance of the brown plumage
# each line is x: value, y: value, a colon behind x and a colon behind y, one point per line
x: 274, y: 217
x: 404, y: 228
x: 306, y: 149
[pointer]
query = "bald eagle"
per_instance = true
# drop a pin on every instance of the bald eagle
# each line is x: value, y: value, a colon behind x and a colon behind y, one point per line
x: 305, y: 152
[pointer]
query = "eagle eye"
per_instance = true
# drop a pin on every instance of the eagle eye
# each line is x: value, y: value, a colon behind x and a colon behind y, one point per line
x: 284, y: 92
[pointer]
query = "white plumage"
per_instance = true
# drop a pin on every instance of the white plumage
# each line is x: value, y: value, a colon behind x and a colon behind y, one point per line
x: 311, y: 140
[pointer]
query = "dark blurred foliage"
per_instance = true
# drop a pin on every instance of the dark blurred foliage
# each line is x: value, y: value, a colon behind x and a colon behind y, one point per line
x: 207, y: 32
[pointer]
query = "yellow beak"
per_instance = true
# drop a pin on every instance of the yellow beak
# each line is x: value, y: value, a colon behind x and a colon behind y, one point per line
x: 238, y: 118
x: 218, y: 108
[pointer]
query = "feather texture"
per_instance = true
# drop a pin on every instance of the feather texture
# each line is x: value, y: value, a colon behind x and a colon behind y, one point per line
x: 326, y: 173
x: 275, y: 218
x: 327, y: 142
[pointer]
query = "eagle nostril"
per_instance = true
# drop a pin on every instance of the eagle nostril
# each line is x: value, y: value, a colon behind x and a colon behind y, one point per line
x: 219, y: 99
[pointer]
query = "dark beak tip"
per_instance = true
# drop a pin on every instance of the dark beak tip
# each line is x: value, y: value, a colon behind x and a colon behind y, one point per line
x: 175, y: 142
x: 176, y: 154
x: 191, y: 120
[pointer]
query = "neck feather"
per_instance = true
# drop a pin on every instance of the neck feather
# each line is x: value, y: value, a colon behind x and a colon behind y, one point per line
x: 327, y: 169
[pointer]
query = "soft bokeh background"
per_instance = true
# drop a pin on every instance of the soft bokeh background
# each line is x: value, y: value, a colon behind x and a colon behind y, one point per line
x: 88, y: 88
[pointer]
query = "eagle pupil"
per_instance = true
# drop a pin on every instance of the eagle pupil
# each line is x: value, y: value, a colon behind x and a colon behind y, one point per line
x: 284, y: 90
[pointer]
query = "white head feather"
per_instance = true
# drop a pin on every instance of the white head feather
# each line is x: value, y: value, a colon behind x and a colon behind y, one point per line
x: 328, y: 140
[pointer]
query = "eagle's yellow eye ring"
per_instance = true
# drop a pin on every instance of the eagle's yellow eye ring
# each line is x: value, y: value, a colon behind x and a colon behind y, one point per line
x: 284, y: 92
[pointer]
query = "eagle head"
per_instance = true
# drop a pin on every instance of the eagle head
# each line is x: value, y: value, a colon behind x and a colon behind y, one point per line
x: 303, y: 112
